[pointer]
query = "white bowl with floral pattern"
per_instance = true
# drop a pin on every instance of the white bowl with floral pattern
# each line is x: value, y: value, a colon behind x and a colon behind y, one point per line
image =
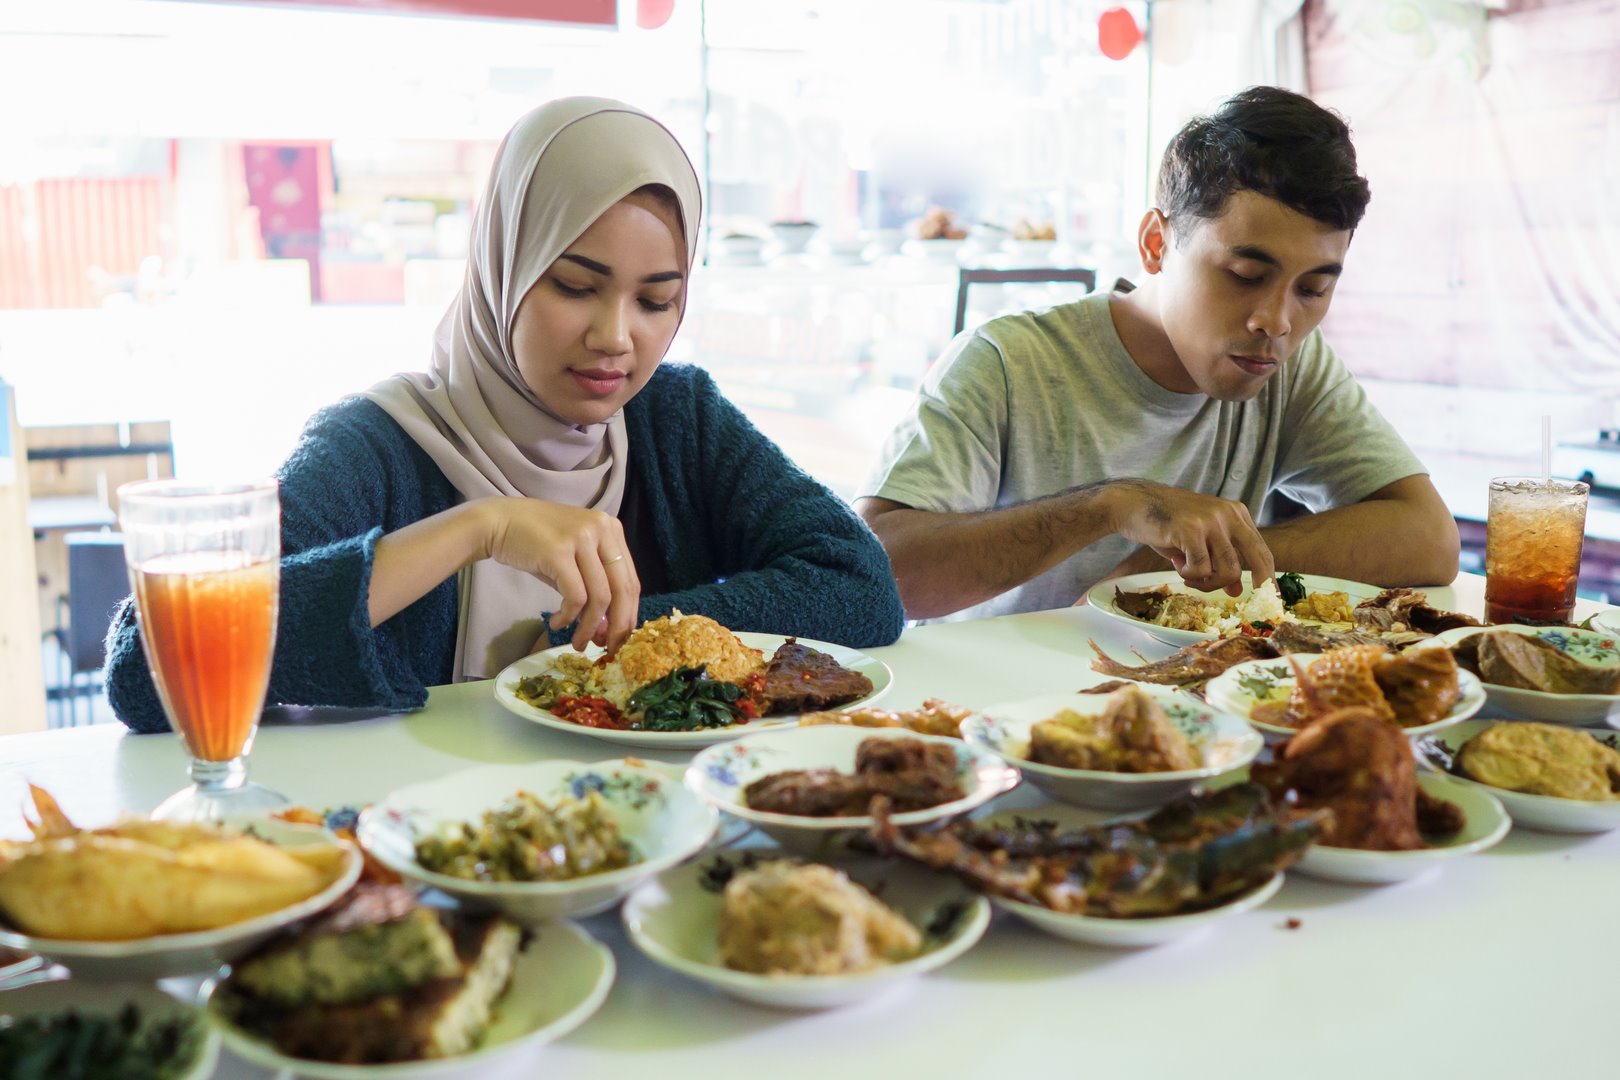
x: 1242, y: 687
x: 663, y: 822
x: 1222, y: 741
x: 1549, y: 813
x: 721, y: 775
x: 1592, y: 647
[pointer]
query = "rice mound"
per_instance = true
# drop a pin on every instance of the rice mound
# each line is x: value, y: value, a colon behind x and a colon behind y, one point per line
x: 675, y: 641
x: 1262, y: 605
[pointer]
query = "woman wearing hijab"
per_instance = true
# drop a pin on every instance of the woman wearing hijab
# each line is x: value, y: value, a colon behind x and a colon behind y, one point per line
x: 546, y: 480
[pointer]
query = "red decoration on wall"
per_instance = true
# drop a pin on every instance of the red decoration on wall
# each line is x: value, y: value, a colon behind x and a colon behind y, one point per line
x: 1117, y: 33
x: 651, y: 14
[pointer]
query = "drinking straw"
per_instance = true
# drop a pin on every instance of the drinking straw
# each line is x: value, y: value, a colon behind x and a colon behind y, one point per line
x: 1546, y: 448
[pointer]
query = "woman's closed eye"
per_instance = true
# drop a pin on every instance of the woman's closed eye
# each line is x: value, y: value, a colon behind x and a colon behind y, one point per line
x: 652, y: 305
x: 575, y: 291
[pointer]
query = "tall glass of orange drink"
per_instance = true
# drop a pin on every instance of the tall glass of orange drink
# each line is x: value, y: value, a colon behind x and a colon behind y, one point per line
x: 205, y: 566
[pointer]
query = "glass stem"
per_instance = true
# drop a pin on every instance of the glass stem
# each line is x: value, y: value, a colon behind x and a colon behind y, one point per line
x: 219, y: 775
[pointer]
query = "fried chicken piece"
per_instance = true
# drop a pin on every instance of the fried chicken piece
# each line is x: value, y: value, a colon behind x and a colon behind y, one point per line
x: 1339, y: 679
x: 1355, y: 763
x: 1420, y: 686
x: 1133, y: 734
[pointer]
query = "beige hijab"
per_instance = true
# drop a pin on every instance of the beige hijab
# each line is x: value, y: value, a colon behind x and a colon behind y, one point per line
x: 558, y: 170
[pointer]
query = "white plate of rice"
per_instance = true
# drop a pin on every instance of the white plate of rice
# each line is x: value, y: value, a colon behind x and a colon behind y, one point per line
x: 1232, y: 612
x: 727, y: 657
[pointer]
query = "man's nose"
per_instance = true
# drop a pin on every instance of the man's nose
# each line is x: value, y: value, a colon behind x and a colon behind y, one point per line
x: 1270, y: 316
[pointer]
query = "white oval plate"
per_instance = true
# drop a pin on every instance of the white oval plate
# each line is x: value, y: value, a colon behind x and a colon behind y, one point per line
x: 1487, y: 824
x: 51, y: 996
x: 720, y: 775
x: 1119, y: 933
x: 663, y: 821
x: 1593, y: 647
x: 1101, y: 597
x: 675, y: 921
x: 1234, y: 690
x: 541, y: 663
x: 1223, y: 741
x: 1548, y: 813
x: 559, y: 980
x: 201, y: 951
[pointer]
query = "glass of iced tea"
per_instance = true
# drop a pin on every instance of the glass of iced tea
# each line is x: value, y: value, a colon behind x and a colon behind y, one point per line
x: 1533, y: 533
x: 205, y: 566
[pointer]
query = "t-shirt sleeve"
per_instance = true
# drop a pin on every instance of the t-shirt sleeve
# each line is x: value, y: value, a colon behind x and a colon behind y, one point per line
x: 946, y: 455
x: 1336, y: 447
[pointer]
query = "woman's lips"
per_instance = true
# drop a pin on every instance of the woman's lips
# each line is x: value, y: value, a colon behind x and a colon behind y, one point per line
x: 1255, y: 365
x: 598, y: 382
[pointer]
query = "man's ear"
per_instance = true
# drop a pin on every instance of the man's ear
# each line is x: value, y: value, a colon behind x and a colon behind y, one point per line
x: 1152, y: 239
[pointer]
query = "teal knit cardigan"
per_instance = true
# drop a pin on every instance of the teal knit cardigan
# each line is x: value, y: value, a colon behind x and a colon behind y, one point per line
x: 750, y: 540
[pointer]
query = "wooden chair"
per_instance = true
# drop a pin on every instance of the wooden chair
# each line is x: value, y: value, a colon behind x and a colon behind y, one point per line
x: 97, y: 584
x: 1039, y: 275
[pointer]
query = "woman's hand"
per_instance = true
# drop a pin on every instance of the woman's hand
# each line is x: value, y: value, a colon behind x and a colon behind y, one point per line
x: 580, y: 553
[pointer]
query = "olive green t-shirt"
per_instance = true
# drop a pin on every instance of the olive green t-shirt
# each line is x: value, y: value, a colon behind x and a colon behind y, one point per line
x: 1032, y: 404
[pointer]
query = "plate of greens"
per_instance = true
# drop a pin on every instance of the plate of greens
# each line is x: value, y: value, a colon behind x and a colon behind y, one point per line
x: 684, y: 710
x: 132, y: 1031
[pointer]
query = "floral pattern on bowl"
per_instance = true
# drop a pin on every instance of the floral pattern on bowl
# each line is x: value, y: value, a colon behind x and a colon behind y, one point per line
x: 662, y: 822
x: 1242, y: 687
x: 1223, y: 743
x: 721, y: 775
x: 1594, y: 647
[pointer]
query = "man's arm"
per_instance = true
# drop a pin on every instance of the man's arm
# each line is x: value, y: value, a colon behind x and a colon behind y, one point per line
x: 1401, y: 534
x: 944, y: 562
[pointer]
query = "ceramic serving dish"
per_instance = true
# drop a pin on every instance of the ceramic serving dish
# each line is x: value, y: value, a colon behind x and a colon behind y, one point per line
x: 541, y: 663
x: 675, y: 920
x: 1222, y: 741
x: 1486, y: 824
x: 1101, y: 596
x: 721, y: 775
x: 1243, y: 686
x: 1545, y: 812
x: 199, y: 952
x: 561, y: 977
x: 663, y: 822
x: 1592, y: 647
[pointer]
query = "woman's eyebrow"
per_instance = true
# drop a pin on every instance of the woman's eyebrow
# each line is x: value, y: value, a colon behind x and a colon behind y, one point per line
x: 607, y: 271
x: 591, y: 264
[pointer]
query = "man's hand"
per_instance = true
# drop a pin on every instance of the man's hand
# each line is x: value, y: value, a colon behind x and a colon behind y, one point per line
x: 1209, y: 541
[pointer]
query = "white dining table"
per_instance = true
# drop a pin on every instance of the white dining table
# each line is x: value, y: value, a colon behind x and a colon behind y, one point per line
x: 1496, y: 964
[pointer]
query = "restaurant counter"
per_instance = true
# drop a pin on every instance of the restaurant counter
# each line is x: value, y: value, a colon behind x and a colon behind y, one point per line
x: 1492, y: 965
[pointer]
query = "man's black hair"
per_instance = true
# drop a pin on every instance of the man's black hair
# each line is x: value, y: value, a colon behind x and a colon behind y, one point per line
x: 1272, y: 142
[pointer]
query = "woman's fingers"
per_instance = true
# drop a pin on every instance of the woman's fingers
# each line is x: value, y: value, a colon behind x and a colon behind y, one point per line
x: 625, y: 606
x: 598, y: 596
x: 570, y: 586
